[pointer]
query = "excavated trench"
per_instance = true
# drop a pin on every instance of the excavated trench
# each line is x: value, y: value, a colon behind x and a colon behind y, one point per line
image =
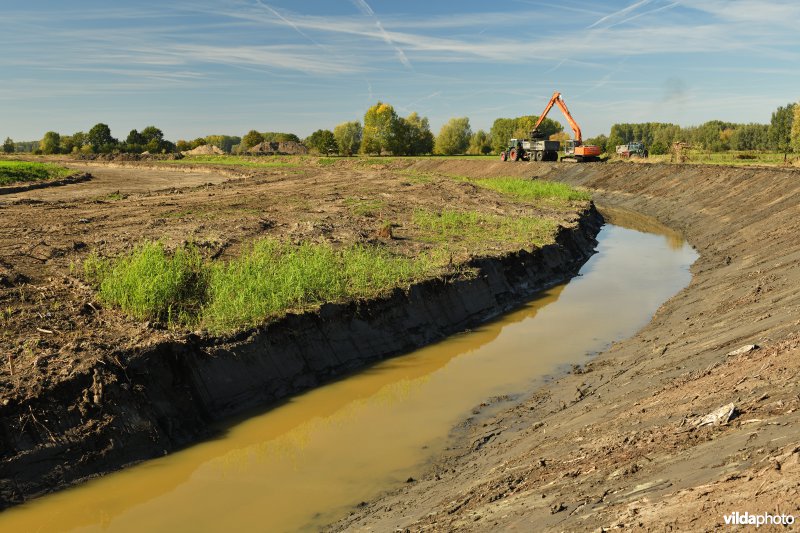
x: 169, y: 395
x: 305, y: 462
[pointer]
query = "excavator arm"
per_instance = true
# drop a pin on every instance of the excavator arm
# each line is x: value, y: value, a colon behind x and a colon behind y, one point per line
x: 556, y: 99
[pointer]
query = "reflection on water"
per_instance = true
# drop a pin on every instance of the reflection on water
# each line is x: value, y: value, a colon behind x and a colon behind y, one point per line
x: 305, y: 462
x: 639, y: 222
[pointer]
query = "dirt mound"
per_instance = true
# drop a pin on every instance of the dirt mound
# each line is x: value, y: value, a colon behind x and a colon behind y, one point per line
x: 279, y: 148
x: 206, y: 149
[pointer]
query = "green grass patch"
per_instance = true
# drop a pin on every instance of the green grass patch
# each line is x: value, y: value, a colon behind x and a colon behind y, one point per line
x: 481, y: 230
x: 267, y: 280
x: 326, y: 161
x: 150, y: 284
x: 25, y: 171
x: 271, y: 278
x: 532, y: 190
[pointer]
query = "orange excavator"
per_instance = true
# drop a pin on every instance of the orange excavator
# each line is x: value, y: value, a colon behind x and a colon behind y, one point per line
x: 574, y: 150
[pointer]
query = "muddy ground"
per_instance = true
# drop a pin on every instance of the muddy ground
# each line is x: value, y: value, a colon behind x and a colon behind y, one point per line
x: 621, y: 443
x: 64, y: 356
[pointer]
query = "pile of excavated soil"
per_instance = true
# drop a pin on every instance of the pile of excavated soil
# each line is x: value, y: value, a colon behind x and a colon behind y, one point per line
x: 672, y: 429
x: 205, y: 149
x: 283, y: 147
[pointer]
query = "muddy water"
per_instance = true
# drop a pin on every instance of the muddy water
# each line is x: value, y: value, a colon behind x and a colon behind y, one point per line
x: 306, y: 462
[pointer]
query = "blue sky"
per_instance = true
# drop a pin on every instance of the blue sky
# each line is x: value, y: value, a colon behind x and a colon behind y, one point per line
x: 203, y: 67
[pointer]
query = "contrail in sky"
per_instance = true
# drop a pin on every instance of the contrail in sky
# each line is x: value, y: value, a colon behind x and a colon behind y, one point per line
x: 622, y: 11
x: 289, y: 22
x: 364, y: 7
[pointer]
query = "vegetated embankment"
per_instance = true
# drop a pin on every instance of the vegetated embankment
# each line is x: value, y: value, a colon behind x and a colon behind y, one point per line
x: 692, y: 419
x: 87, y: 407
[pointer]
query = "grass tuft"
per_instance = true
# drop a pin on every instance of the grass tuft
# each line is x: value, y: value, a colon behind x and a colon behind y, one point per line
x: 150, y: 284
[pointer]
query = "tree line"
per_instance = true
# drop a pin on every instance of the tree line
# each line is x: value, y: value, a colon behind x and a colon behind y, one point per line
x: 781, y: 134
x: 384, y: 132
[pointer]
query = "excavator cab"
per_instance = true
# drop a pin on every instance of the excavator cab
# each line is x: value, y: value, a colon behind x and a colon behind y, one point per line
x: 537, y: 135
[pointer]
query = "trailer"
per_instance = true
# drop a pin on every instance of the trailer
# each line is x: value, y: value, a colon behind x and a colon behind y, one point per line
x: 530, y: 150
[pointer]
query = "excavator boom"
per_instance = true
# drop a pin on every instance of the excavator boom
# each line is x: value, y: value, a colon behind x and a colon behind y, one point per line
x: 556, y: 99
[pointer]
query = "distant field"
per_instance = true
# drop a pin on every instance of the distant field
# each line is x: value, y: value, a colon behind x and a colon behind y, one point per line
x: 24, y: 171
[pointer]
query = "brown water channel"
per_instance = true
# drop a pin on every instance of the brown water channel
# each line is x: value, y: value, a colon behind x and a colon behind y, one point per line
x: 306, y: 462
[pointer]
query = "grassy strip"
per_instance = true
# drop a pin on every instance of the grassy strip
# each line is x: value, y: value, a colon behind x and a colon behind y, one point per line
x: 481, y: 231
x: 149, y: 284
x: 272, y: 277
x: 267, y: 280
x: 530, y: 190
x: 18, y: 171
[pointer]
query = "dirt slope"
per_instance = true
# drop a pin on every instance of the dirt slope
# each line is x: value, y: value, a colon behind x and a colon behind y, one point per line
x: 619, y: 442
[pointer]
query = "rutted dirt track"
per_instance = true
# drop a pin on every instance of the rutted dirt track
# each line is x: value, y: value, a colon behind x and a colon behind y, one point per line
x: 618, y: 443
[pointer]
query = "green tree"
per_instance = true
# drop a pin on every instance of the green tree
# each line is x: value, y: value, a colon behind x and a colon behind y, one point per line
x: 100, y: 139
x: 795, y: 133
x: 601, y: 141
x: 780, y: 129
x: 279, y: 137
x: 252, y: 138
x: 380, y: 129
x: 454, y: 137
x: 348, y: 137
x: 480, y: 143
x: 419, y: 139
x: 50, y: 143
x: 223, y: 142
x: 8, y: 146
x: 505, y: 129
x: 154, y: 141
x: 322, y: 141
x: 183, y: 145
x: 135, y: 142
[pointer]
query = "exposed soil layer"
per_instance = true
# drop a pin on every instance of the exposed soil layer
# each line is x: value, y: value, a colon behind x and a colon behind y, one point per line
x: 85, y: 390
x: 622, y: 442
x: 23, y: 187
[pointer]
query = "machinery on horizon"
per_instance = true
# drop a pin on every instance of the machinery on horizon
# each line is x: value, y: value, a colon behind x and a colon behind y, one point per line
x: 632, y: 149
x: 537, y: 148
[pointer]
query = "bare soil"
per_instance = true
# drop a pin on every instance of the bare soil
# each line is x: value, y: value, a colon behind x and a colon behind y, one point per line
x: 618, y: 443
